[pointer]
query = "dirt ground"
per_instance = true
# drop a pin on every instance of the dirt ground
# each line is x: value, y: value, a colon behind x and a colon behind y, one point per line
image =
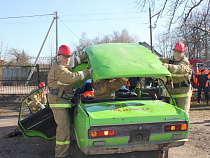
x: 198, y: 145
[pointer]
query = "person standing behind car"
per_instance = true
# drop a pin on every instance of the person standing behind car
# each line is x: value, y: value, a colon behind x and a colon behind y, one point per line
x: 60, y: 82
x: 180, y: 69
x: 38, y: 100
x: 201, y: 80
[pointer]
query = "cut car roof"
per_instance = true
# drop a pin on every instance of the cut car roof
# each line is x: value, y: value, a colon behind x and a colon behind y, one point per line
x: 116, y: 60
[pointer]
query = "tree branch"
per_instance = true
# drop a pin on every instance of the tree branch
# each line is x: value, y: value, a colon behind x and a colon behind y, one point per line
x: 191, y: 10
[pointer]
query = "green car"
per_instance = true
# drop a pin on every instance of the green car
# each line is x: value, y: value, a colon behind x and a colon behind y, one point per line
x: 143, y: 119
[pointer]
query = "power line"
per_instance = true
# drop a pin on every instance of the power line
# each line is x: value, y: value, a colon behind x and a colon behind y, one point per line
x: 99, y: 14
x: 132, y: 18
x: 106, y: 19
x: 30, y: 16
x: 69, y: 28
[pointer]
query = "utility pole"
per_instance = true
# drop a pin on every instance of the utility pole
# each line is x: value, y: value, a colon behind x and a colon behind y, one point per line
x: 32, y: 70
x: 150, y: 26
x: 56, y: 14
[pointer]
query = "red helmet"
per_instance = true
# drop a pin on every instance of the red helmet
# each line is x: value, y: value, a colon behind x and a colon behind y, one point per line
x: 41, y: 84
x: 179, y: 47
x: 64, y: 50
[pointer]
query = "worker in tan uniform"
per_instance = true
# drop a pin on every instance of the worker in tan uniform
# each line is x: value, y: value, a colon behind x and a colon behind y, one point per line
x: 38, y: 100
x: 60, y: 82
x: 106, y: 88
x: 180, y: 69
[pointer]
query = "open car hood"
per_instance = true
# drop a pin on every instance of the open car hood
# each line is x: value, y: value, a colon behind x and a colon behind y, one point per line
x: 116, y: 60
x: 135, y: 111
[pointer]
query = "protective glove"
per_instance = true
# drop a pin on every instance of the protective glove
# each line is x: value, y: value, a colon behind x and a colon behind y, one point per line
x: 42, y: 106
x: 165, y: 64
x: 90, y: 70
x: 78, y: 59
x: 125, y: 79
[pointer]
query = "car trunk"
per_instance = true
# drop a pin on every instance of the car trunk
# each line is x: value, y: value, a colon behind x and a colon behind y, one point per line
x: 132, y: 111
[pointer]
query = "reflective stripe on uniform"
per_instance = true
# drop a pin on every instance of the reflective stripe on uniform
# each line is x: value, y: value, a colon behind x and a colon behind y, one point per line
x: 179, y: 75
x: 182, y: 95
x: 62, y: 143
x: 36, y: 109
x: 60, y: 105
x: 58, y: 82
x: 175, y: 67
x: 30, y: 102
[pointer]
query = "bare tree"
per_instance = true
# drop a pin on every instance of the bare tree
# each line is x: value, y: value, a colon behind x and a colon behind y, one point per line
x: 122, y: 37
x: 164, y: 44
x: 194, y: 32
x: 18, y: 57
x: 173, y: 10
x: 4, y: 51
x: 117, y: 37
x: 83, y: 42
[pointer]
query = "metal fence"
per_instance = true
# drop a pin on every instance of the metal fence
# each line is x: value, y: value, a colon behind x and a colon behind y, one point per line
x: 13, y: 78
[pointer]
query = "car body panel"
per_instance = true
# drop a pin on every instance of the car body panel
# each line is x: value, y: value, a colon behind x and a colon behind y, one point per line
x: 133, y: 111
x: 115, y: 60
x: 152, y: 115
x: 41, y: 124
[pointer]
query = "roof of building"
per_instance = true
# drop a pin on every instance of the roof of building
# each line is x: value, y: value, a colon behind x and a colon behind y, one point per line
x: 149, y: 47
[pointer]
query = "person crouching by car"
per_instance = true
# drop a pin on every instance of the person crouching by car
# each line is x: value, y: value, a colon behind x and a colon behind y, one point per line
x: 38, y: 100
x: 106, y: 88
x: 60, y: 82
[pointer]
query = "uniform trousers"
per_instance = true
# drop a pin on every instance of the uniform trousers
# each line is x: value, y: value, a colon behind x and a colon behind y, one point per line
x: 182, y: 96
x: 205, y: 90
x: 62, y: 119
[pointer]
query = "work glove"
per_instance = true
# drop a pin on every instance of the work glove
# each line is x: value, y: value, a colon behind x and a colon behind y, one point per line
x: 90, y: 70
x: 125, y: 79
x: 165, y: 64
x: 42, y: 106
x: 78, y: 59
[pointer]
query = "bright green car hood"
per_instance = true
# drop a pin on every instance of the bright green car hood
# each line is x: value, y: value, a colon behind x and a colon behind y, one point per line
x: 135, y: 111
x: 116, y: 60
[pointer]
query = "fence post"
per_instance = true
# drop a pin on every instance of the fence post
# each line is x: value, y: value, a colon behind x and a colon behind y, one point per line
x: 38, y: 76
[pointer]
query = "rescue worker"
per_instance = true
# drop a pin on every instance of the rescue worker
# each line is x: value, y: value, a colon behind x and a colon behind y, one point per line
x: 133, y: 82
x: 201, y: 80
x: 60, y: 82
x: 106, y: 88
x: 38, y: 100
x: 180, y: 69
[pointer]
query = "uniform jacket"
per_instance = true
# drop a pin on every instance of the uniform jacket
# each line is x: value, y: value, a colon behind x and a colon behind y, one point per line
x: 62, y: 78
x: 181, y: 72
x: 202, y: 77
x: 105, y: 88
x: 36, y: 100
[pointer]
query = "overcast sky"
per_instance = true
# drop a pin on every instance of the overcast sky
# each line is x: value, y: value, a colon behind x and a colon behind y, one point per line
x: 95, y: 17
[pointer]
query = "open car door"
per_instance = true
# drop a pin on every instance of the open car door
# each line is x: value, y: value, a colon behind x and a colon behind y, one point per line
x: 40, y: 123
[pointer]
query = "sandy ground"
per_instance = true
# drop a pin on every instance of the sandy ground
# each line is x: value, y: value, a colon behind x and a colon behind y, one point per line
x: 198, y: 145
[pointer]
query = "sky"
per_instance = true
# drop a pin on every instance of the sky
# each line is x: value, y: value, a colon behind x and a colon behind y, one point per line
x: 94, y: 17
